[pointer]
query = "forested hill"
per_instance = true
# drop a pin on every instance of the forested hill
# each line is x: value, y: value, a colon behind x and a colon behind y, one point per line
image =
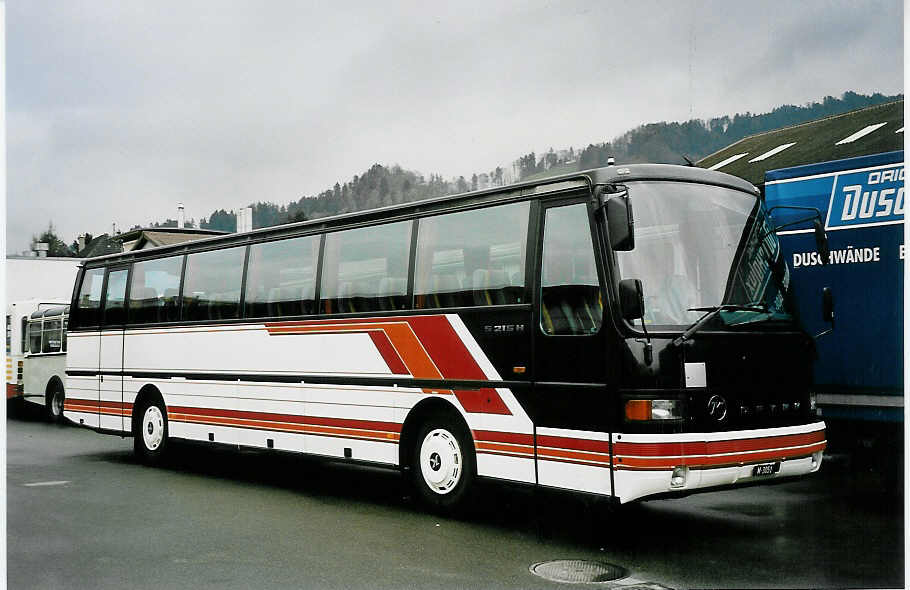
x: 654, y: 142
x: 667, y: 143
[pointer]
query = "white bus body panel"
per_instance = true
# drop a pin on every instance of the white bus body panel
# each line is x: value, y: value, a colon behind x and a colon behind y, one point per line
x: 82, y: 354
x: 110, y: 387
x: 39, y: 370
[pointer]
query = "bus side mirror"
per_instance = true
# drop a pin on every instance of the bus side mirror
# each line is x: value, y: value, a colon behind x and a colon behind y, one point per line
x: 620, y: 223
x: 631, y: 299
x: 821, y: 241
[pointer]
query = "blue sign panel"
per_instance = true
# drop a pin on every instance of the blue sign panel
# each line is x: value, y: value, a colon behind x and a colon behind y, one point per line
x: 868, y: 197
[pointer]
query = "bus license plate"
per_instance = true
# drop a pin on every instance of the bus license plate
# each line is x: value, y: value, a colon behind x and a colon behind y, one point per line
x: 766, y: 469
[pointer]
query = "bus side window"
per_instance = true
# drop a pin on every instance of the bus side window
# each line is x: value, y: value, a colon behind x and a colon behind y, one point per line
x: 34, y: 336
x: 281, y: 279
x: 154, y: 288
x: 472, y: 258
x: 366, y: 269
x: 87, y: 313
x: 24, y: 335
x: 211, y: 289
x: 115, y: 301
x: 50, y: 335
x: 570, y: 291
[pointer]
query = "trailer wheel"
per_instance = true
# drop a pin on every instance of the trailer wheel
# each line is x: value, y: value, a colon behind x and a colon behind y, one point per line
x: 442, y: 463
x: 150, y: 431
x: 54, y: 403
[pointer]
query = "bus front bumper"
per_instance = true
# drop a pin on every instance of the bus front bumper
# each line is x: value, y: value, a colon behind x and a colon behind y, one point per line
x: 660, y: 465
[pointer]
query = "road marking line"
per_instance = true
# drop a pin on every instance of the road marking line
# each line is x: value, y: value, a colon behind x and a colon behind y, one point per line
x: 46, y: 483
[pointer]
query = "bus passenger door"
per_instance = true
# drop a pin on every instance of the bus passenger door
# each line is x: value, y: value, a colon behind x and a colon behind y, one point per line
x: 110, y: 392
x: 569, y: 399
x: 83, y: 350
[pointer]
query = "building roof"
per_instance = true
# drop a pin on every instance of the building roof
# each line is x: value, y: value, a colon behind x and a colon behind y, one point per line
x: 871, y: 130
x: 139, y: 239
x: 99, y: 246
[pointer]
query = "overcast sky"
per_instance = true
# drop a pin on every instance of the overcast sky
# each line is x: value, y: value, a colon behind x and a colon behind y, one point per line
x: 116, y: 113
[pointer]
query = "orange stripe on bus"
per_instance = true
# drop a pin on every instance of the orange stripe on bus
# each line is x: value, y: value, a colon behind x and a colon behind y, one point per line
x: 283, y: 426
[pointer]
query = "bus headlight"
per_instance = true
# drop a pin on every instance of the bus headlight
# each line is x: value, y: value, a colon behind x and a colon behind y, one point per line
x: 653, y: 409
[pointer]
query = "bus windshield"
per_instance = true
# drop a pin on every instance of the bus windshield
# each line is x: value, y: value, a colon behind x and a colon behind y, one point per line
x: 700, y: 246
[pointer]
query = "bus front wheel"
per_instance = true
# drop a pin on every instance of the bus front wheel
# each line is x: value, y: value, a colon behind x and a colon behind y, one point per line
x: 150, y: 437
x: 442, y: 464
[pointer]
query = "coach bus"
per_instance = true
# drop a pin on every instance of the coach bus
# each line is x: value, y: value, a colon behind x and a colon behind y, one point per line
x: 538, y: 333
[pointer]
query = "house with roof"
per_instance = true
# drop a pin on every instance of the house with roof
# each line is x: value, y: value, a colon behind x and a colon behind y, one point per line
x: 142, y: 238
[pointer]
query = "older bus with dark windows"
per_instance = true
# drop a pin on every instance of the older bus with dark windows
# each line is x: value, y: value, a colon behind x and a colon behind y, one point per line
x: 538, y: 333
x: 45, y: 359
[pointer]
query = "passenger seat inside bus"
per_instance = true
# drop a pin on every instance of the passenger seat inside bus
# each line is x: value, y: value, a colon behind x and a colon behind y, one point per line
x: 445, y: 291
x: 171, y: 302
x: 285, y: 301
x: 489, y: 286
x: 391, y: 290
x: 150, y: 306
x: 345, y: 299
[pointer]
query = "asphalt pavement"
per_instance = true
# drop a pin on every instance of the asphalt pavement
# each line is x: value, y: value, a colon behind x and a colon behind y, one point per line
x: 83, y: 513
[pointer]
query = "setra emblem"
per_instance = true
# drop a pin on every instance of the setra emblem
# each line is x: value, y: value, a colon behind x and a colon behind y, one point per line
x: 717, y: 407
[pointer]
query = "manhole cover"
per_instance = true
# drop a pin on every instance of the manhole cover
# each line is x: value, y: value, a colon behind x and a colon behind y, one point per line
x: 578, y: 571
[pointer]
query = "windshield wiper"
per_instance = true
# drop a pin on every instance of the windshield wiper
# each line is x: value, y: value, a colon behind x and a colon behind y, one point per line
x: 712, y: 311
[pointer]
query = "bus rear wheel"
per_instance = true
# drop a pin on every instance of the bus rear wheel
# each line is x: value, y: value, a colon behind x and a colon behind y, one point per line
x: 54, y: 403
x: 150, y: 432
x: 442, y: 464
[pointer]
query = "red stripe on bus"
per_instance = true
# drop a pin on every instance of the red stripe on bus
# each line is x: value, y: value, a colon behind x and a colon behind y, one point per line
x: 115, y: 404
x: 388, y: 352
x: 504, y: 437
x: 716, y: 447
x: 581, y: 444
x: 12, y: 390
x: 502, y: 448
x: 454, y: 360
x: 445, y: 347
x: 757, y: 444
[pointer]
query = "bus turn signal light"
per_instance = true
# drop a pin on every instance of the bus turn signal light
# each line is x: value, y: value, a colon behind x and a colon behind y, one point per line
x: 652, y: 409
x: 638, y: 409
